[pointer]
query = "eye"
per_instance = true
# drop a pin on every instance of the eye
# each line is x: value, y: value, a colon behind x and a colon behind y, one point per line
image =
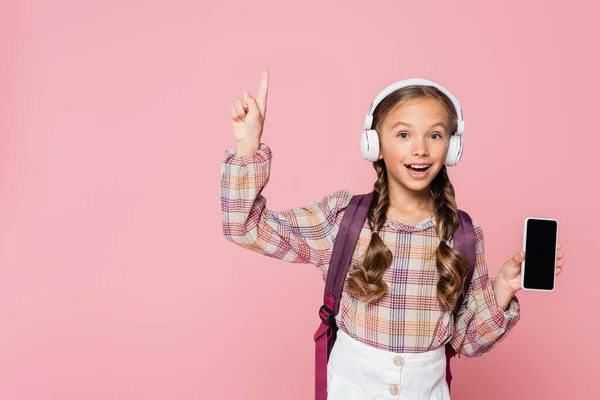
x: 406, y: 133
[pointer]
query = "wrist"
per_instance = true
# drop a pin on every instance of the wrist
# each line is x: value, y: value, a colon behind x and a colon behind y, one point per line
x: 246, y: 148
x: 502, y: 291
x: 500, y: 285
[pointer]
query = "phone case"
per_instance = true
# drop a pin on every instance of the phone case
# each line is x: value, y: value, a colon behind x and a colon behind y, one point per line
x: 523, y: 263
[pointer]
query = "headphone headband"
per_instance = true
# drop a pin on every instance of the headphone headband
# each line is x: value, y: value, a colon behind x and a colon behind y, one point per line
x: 409, y: 82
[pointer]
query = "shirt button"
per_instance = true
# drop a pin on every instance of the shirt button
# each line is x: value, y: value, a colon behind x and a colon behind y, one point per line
x: 394, y: 390
x: 398, y: 361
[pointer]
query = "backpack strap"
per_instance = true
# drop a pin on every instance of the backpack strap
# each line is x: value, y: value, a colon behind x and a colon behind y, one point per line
x: 342, y: 255
x: 464, y: 242
x: 344, y: 244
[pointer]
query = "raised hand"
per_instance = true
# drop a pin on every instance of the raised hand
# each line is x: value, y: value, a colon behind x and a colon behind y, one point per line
x: 248, y: 116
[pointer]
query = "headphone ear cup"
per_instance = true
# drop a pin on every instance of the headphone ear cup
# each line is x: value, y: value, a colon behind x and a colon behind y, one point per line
x: 460, y: 129
x: 369, y: 145
x: 455, y: 148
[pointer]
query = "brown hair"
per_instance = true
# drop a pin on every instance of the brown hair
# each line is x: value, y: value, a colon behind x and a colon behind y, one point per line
x: 366, y: 280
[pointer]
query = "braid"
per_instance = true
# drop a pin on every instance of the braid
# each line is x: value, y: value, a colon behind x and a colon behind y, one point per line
x: 450, y: 263
x: 366, y: 280
x: 381, y: 200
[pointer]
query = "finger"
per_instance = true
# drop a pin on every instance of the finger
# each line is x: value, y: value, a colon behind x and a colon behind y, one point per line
x: 515, y: 260
x: 263, y: 90
x: 558, y: 271
x: 252, y: 104
x: 558, y: 246
x: 245, y: 100
x: 560, y: 255
x: 240, y: 109
x: 560, y: 264
x: 234, y: 114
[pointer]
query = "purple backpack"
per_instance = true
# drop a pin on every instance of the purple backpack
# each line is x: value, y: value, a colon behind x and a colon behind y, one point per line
x: 344, y: 245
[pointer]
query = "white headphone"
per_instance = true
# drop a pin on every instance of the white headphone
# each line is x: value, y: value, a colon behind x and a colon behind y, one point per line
x: 369, y: 140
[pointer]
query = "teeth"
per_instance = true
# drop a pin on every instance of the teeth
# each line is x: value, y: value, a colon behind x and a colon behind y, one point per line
x: 419, y: 166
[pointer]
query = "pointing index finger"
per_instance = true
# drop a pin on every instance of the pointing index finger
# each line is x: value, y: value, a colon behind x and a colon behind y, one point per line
x: 261, y: 97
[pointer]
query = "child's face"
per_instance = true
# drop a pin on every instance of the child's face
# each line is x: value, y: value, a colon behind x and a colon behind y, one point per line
x: 421, y: 140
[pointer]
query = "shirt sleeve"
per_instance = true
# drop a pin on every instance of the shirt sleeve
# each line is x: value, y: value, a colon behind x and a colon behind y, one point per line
x: 296, y: 235
x: 480, y: 324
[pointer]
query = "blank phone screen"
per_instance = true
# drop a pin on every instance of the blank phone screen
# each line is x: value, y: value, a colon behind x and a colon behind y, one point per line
x: 540, y: 254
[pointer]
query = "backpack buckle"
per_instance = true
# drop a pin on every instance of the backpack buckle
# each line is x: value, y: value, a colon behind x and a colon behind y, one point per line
x: 326, y: 314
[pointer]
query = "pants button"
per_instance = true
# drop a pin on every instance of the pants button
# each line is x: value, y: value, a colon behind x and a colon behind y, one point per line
x: 394, y: 390
x: 398, y: 361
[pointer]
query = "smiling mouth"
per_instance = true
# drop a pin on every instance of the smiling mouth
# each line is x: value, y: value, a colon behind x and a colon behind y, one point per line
x: 416, y: 169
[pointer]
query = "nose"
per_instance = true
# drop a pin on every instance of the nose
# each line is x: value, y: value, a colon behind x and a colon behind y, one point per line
x: 419, y: 147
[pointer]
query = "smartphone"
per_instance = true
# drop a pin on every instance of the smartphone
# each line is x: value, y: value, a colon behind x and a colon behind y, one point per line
x: 540, y: 239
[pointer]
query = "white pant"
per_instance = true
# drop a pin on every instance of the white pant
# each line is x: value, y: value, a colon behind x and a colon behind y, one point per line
x: 357, y: 371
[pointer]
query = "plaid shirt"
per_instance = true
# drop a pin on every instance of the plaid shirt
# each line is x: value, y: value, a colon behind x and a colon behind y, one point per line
x: 409, y: 318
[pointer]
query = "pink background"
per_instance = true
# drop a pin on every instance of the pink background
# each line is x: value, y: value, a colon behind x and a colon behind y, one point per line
x: 115, y: 279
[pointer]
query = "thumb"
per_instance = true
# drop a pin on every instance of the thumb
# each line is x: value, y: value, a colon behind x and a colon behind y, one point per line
x: 512, y: 265
x: 519, y: 257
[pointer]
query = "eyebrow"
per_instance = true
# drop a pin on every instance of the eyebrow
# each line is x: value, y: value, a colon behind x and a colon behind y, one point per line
x: 409, y: 125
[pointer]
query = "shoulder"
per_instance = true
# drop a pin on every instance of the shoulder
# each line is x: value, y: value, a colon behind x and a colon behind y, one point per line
x: 342, y: 196
x: 334, y: 201
x: 479, y: 238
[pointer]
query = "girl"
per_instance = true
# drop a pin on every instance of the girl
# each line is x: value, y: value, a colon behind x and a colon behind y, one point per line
x: 405, y: 277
